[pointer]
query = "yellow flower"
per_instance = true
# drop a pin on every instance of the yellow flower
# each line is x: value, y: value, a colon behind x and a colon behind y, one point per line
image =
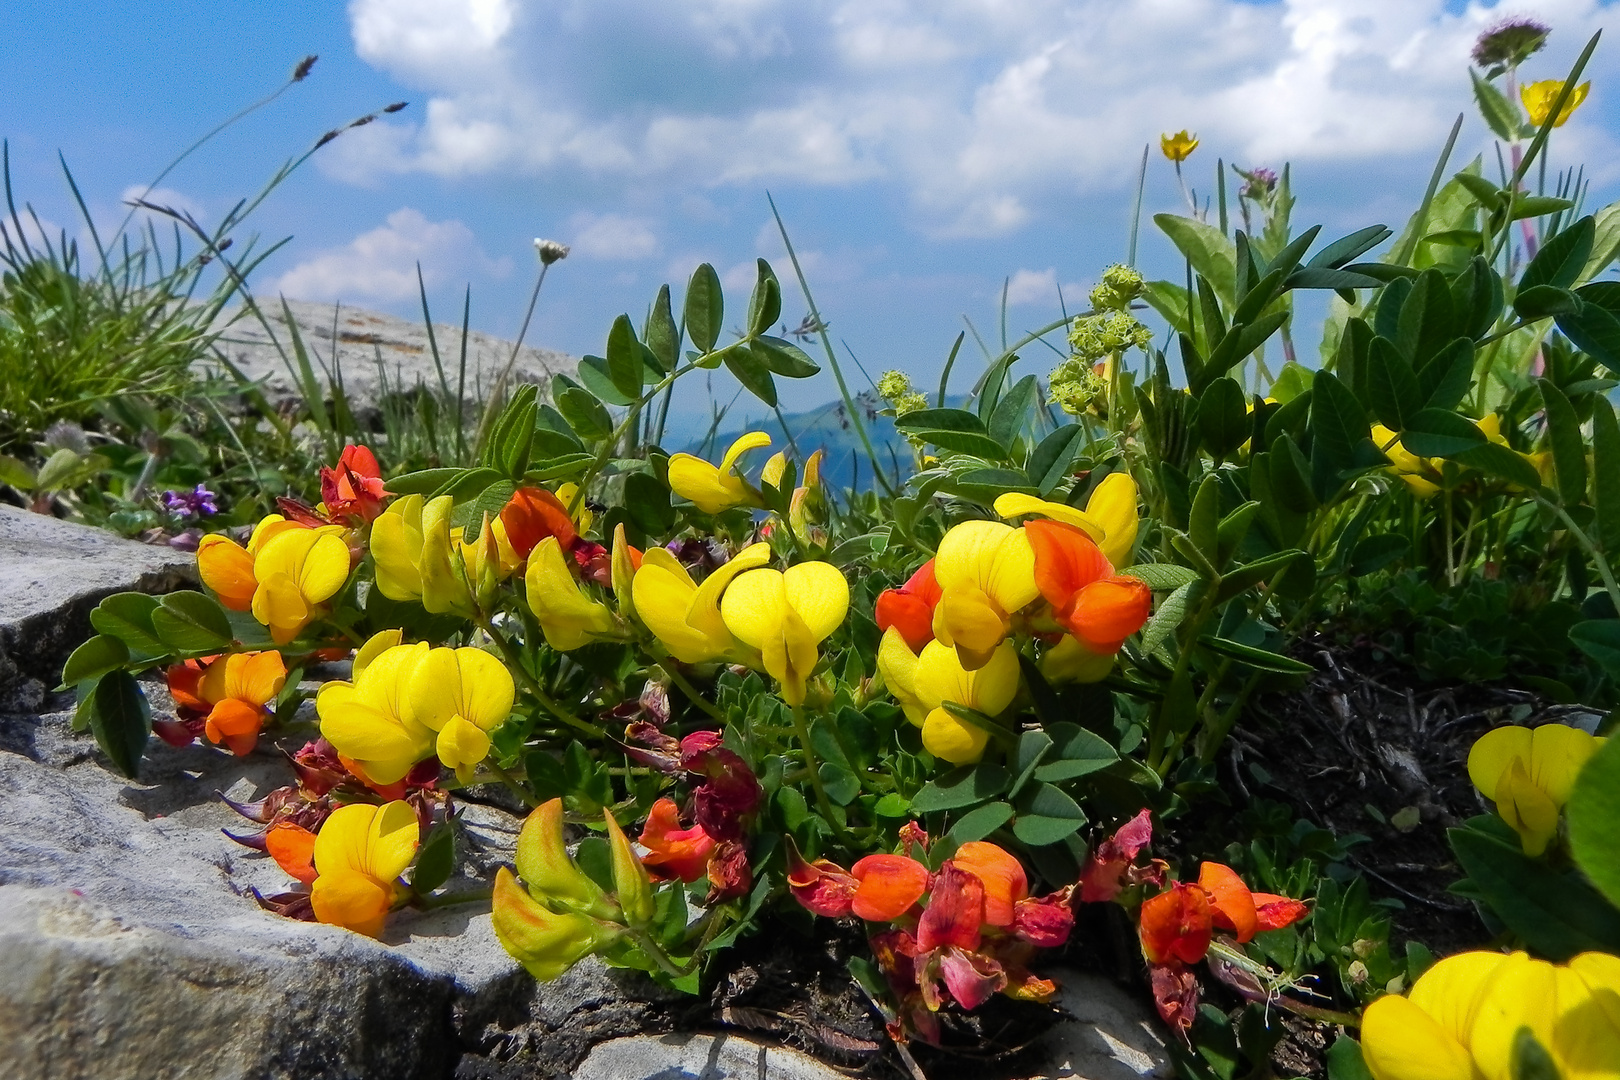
x: 785, y: 615
x: 1178, y: 147
x: 937, y: 676
x: 582, y: 515
x: 546, y: 942
x: 986, y: 572
x: 297, y: 570
x: 1528, y: 774
x: 622, y: 566
x: 1071, y: 661
x: 685, y: 616
x: 568, y: 616
x: 227, y: 568
x: 1110, y: 516
x: 1538, y: 98
x: 411, y: 545
x: 548, y: 871
x: 359, y: 854
x: 462, y: 694
x: 1413, y: 470
x: 713, y: 488
x: 367, y: 721
x: 1464, y: 1014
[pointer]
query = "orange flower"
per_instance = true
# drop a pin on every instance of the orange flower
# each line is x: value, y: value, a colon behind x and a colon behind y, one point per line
x: 354, y: 489
x: 293, y: 848
x: 1176, y: 925
x: 1088, y: 599
x: 674, y: 852
x: 910, y: 608
x: 234, y: 692
x: 1245, y: 913
x: 889, y: 885
x: 822, y: 886
x: 531, y: 515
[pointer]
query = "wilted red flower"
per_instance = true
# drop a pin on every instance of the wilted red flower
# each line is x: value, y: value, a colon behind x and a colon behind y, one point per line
x: 822, y: 886
x: 1175, y: 995
x: 674, y: 852
x: 729, y: 873
x: 353, y: 490
x: 730, y: 792
x: 1101, y: 878
x: 910, y: 608
x: 955, y: 911
x: 1046, y: 921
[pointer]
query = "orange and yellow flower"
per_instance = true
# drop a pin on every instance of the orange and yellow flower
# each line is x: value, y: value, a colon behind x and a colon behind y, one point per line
x: 233, y: 694
x: 359, y: 855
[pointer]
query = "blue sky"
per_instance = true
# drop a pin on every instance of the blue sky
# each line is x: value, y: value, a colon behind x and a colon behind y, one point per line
x: 922, y: 152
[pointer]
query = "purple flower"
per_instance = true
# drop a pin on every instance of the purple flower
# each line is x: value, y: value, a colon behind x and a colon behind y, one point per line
x: 198, y: 502
x: 1509, y: 43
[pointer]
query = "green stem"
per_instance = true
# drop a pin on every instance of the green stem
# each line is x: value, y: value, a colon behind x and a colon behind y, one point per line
x: 626, y: 425
x: 691, y: 691
x: 802, y: 729
x: 472, y: 896
x: 515, y: 662
x: 1603, y: 568
x: 510, y: 781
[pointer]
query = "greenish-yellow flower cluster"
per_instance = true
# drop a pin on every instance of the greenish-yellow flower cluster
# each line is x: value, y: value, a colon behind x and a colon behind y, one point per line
x: 896, y: 389
x: 1074, y: 386
x: 1119, y: 286
x: 1096, y: 338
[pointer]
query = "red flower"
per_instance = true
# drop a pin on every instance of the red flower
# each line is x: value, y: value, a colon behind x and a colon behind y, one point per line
x: 1088, y: 599
x: 730, y: 792
x: 673, y: 852
x: 1001, y: 876
x: 729, y: 873
x: 823, y: 887
x: 910, y: 608
x: 1245, y: 913
x: 1175, y: 995
x: 1101, y: 878
x: 531, y: 515
x: 353, y: 490
x: 955, y: 911
x: 1176, y: 925
x: 1046, y: 921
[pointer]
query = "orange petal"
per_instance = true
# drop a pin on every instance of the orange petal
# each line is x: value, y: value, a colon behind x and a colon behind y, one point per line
x: 1275, y: 912
x: 531, y: 515
x: 1230, y: 899
x: 1107, y: 612
x: 909, y: 614
x: 236, y: 724
x: 1176, y: 925
x: 293, y: 848
x: 890, y: 884
x: 1001, y: 874
x: 1066, y: 560
x: 227, y: 568
x: 184, y: 685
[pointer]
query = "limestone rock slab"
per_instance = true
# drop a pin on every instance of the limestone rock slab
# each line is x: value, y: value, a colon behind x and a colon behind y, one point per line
x: 698, y: 1057
x: 53, y: 573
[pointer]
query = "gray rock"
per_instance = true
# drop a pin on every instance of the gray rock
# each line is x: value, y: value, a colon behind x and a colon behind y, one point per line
x: 52, y: 574
x: 360, y: 339
x: 1109, y: 1033
x: 699, y: 1057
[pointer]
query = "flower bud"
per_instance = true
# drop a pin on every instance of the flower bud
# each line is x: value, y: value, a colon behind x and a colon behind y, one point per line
x: 547, y: 870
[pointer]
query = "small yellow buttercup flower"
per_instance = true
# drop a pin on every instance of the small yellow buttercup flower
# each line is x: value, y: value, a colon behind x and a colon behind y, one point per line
x: 923, y: 684
x: 986, y: 573
x: 1538, y: 98
x: 569, y: 617
x: 1178, y: 147
x: 1529, y: 773
x: 683, y: 615
x: 462, y: 695
x: 366, y: 720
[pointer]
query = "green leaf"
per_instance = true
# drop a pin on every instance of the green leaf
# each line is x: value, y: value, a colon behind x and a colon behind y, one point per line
x: 1240, y: 578
x: 128, y: 617
x: 941, y: 420
x: 1075, y: 752
x: 1312, y: 277
x: 1446, y: 377
x: 1484, y: 192
x: 648, y: 504
x: 1344, y: 1060
x: 423, y: 482
x: 437, y: 859
x: 893, y: 806
x: 1047, y: 816
x: 1223, y: 418
x: 1050, y: 462
x: 1376, y: 552
x: 965, y: 786
x: 662, y: 335
x: 1501, y: 115
x: 1593, y: 814
x: 1012, y: 413
x: 1441, y: 433
x: 783, y: 357
x: 1162, y: 576
x: 1392, y: 385
x: 1346, y: 248
x: 584, y: 412
x: 189, y: 622
x: 1501, y: 462
x: 1531, y: 1060
x: 1212, y: 255
x: 95, y: 658
x: 1557, y: 915
x: 1568, y: 444
x: 1545, y: 301
x: 765, y: 305
x: 1339, y: 426
x: 1529, y: 206
x: 1593, y: 328
x: 964, y: 442
x: 1561, y: 259
x: 705, y: 308
x: 624, y: 363
x: 1171, y: 611
x: 1599, y: 639
x: 980, y: 823
x: 1606, y: 475
x: 121, y: 720
x: 1260, y: 659
x: 751, y: 371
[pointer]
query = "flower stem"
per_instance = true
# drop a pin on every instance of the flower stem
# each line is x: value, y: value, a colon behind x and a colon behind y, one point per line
x: 550, y: 704
x: 524, y: 796
x: 471, y: 896
x: 802, y: 730
x: 691, y: 692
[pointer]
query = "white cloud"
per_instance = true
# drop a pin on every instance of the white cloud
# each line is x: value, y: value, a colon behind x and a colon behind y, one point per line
x: 613, y: 236
x: 977, y: 109
x: 1032, y: 287
x: 380, y: 265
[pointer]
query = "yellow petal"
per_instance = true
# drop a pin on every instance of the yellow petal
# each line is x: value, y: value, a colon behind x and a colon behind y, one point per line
x: 754, y: 606
x: 461, y: 744
x: 1113, y: 505
x: 1017, y: 504
x: 1451, y: 991
x: 396, y: 549
x: 325, y: 568
x: 375, y: 646
x: 1522, y: 993
x: 1601, y: 973
x: 631, y: 884
x: 466, y: 682
x: 557, y: 599
x: 360, y: 732
x: 392, y: 840
x: 623, y: 573
x: 341, y: 843
x: 695, y: 479
x: 774, y: 468
x: 753, y: 440
x: 1558, y: 753
x: 350, y: 900
x: 548, y: 871
x: 545, y: 942
x: 280, y: 605
x: 1399, y: 1041
x: 819, y: 593
x: 443, y: 588
x: 1070, y: 661
x: 953, y: 740
x: 1493, y: 752
x: 968, y: 619
x: 255, y: 677
x: 704, y: 611
x: 898, y: 665
x: 663, y: 592
x: 269, y: 526
x: 1527, y: 808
